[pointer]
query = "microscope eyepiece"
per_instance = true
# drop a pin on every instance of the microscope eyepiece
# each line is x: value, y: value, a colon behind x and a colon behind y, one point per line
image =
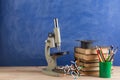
x: 56, y: 22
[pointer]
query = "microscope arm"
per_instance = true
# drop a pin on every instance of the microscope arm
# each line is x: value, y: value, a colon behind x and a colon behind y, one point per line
x: 50, y: 60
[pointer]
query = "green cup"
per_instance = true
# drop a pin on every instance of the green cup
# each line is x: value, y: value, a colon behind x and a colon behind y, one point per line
x: 105, y: 69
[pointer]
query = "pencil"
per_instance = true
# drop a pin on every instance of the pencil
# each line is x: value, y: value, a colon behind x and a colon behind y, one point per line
x: 99, y: 57
x: 114, y: 52
x: 111, y: 57
x: 102, y: 55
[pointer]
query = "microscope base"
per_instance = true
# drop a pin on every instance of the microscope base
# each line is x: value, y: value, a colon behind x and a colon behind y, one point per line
x: 51, y: 73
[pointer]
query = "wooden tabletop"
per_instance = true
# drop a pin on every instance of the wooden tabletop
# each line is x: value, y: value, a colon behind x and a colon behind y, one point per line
x: 34, y: 73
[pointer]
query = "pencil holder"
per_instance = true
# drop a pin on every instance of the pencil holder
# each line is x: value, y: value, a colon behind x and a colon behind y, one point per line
x: 105, y: 69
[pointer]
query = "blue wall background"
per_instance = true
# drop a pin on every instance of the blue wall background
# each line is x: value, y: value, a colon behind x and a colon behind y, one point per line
x: 24, y: 26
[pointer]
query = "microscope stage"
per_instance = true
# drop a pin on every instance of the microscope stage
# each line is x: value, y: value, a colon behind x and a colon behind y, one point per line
x: 59, y: 53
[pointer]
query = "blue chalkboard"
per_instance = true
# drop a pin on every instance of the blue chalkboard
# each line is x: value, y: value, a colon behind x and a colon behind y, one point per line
x: 25, y: 24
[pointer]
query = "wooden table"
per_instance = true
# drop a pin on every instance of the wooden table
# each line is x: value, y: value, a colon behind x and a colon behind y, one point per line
x: 34, y: 73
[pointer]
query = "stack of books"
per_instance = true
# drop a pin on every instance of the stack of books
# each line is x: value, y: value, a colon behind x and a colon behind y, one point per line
x: 88, y: 59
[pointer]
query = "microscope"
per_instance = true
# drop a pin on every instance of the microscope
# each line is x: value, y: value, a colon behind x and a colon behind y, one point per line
x: 53, y: 41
